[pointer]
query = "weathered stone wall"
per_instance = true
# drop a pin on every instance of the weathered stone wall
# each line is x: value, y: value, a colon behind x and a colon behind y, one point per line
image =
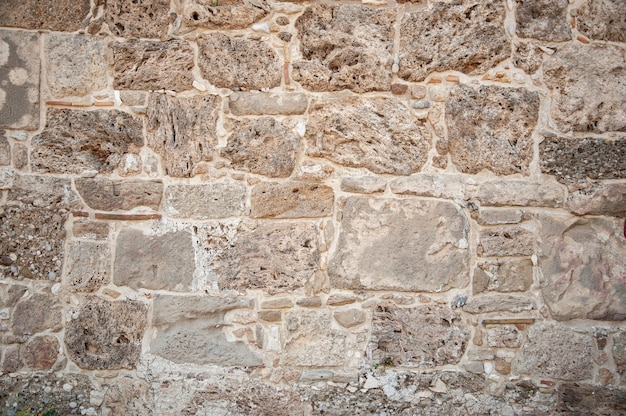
x: 255, y: 207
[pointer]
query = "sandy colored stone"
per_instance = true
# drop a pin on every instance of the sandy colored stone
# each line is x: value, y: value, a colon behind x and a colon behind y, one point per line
x: 5, y: 150
x: 270, y: 316
x: 602, y: 20
x: 499, y: 303
x: 40, y: 353
x: 506, y: 241
x: 93, y: 230
x: 310, y: 302
x: 429, y: 185
x: 619, y: 352
x: 230, y: 14
x: 521, y: 193
x: 215, y: 200
x: 340, y: 300
x: 107, y: 195
x: 505, y: 336
x: 88, y: 265
x: 44, y: 14
x: 363, y: 184
x: 127, y: 395
x: 350, y: 317
x: 171, y: 309
x: 511, y: 275
x: 20, y: 156
x: 137, y: 18
x: 291, y: 200
x: 256, y: 103
x: 543, y: 19
x: 497, y: 216
x: 12, y: 361
x: 527, y: 57
x: 607, y: 199
x: 280, y: 303
x: 10, y: 293
x: 38, y: 313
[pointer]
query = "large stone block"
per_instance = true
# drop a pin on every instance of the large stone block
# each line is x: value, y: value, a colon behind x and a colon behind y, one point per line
x: 182, y: 130
x: 607, y: 199
x: 216, y: 200
x: 88, y: 265
x: 232, y: 14
x: 291, y: 200
x: 256, y: 103
x: 44, y: 14
x: 602, y: 20
x: 506, y: 241
x: 374, y: 133
x: 108, y: 195
x: 586, y: 86
x: 74, y: 141
x: 229, y: 62
x: 521, y: 193
x: 137, y: 18
x: 19, y: 79
x: 406, y: 245
x: 462, y: 36
x: 41, y: 312
x: 490, y: 128
x: 511, y: 275
x: 345, y: 47
x: 543, y: 20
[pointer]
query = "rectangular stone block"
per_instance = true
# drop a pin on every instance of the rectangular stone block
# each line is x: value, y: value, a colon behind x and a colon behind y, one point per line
x: 52, y: 15
x: 607, y: 199
x: 137, y: 18
x: 521, y: 193
x: 223, y: 15
x: 107, y: 195
x: 499, y: 303
x: 88, y: 265
x: 363, y: 184
x: 256, y: 103
x: 217, y: 200
x: 291, y: 200
x: 491, y: 216
x: 435, y: 186
x: 506, y: 241
x: 512, y: 275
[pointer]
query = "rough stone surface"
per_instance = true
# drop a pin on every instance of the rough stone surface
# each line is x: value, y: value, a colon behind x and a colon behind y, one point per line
x: 345, y: 47
x: 88, y: 266
x: 511, y: 275
x: 20, y: 156
x: 499, y: 303
x: 216, y: 200
x: 589, y: 399
x: 527, y: 57
x: 607, y: 199
x: 448, y: 186
x: 505, y: 336
x: 255, y: 103
x: 44, y: 14
x: 520, y: 193
x: 374, y: 133
x: 543, y: 20
x: 490, y: 128
x: 497, y: 216
x: 228, y: 62
x: 36, y: 314
x: 236, y: 14
x: 363, y: 184
x: 107, y: 195
x: 5, y: 150
x: 137, y: 18
x: 92, y: 230
x: 291, y: 200
x: 506, y: 241
x: 350, y: 317
x: 74, y: 141
x: 619, y: 352
x: 40, y: 353
x: 415, y: 245
x: 463, y: 36
x: 602, y: 20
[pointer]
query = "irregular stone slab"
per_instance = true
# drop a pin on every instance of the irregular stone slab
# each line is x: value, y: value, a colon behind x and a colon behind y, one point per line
x: 374, y: 133
x: 154, y: 262
x: 88, y: 266
x: 505, y: 336
x: 5, y: 150
x: 583, y: 263
x: 256, y: 103
x: 291, y: 200
x: 499, y: 303
x: 521, y: 193
x: 585, y: 83
x: 460, y: 36
x: 350, y: 317
x: 237, y: 14
x: 40, y: 353
x: 506, y: 241
x: 602, y: 20
x: 543, y: 20
x: 556, y: 351
x: 74, y: 141
x: 607, y: 199
x: 491, y: 127
x: 422, y: 337
x: 137, y: 18
x: 405, y: 245
x: 436, y: 186
x: 107, y: 195
x: 52, y: 15
x: 104, y: 335
x: 619, y: 352
x: 41, y: 312
x: 19, y: 78
x: 511, y: 275
x: 345, y: 47
x: 182, y: 130
x: 229, y: 62
x: 152, y: 65
x: 363, y: 184
x: 263, y: 146
x: 217, y: 200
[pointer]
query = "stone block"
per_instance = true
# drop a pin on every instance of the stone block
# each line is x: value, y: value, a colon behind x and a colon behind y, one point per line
x: 44, y: 14
x: 107, y: 195
x: 93, y: 230
x: 154, y: 262
x: 169, y: 310
x: 182, y: 130
x: 229, y: 62
x: 505, y: 336
x: 74, y: 141
x: 216, y: 200
x: 619, y: 352
x: 9, y: 293
x: 583, y: 398
x: 499, y: 303
x: 521, y: 193
x: 313, y: 376
x: 543, y: 20
x: 340, y: 300
x: 512, y: 275
x: 12, y: 361
x: 19, y: 78
x: 270, y: 316
x: 459, y: 36
x: 608, y: 199
x: 350, y: 317
x: 40, y: 353
x: 228, y: 15
x: 270, y: 104
x: 20, y: 156
x: 435, y: 186
x: 5, y: 150
x: 152, y: 65
x: 405, y: 245
x: 291, y: 200
x: 137, y: 18
x: 38, y: 313
x: 310, y: 302
x: 280, y: 303
x: 105, y: 335
x: 363, y: 184
x: 490, y: 128
x: 527, y: 56
x: 506, y: 241
x: 602, y: 20
x: 495, y: 216
x: 88, y: 265
x: 374, y: 133
x: 345, y: 46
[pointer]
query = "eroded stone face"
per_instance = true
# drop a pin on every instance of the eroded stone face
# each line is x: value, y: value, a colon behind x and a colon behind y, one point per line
x: 607, y: 199
x: 521, y: 193
x: 107, y: 195
x: 38, y: 313
x: 255, y: 103
x: 511, y: 275
x: 499, y: 303
x: 40, y: 353
x: 216, y: 200
x: 231, y: 14
x: 543, y: 19
x: 137, y: 18
x: 506, y: 241
x: 44, y: 14
x: 291, y: 200
x: 88, y: 266
x: 602, y: 20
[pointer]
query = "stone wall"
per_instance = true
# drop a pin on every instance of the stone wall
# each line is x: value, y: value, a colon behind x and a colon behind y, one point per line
x: 255, y: 207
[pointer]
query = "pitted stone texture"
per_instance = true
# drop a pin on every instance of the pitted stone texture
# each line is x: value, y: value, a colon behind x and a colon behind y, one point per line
x: 499, y: 303
x: 41, y: 312
x: 230, y: 14
x: 511, y: 275
x: 422, y: 337
x: 107, y: 195
x: 104, y: 335
x: 463, y: 36
x: 583, y: 263
x: 506, y: 241
x: 228, y: 62
x: 152, y: 65
x: 19, y: 78
x: 255, y: 103
x: 490, y: 128
x: 435, y: 186
x: 88, y: 266
x: 76, y: 64
x: 291, y: 200
x: 619, y: 352
x: 74, y: 141
x: 527, y: 57
x: 521, y: 193
x: 216, y: 200
x: 405, y: 245
x: 608, y: 199
x: 556, y: 351
x: 374, y: 133
x: 154, y: 262
x: 137, y: 18
x: 274, y: 257
x: 263, y: 146
x: 602, y: 20
x: 44, y: 14
x: 5, y: 150
x: 574, y: 159
x: 345, y: 47
x: 182, y: 130
x: 40, y: 353
x: 543, y: 20
x: 363, y: 184
x: 587, y: 88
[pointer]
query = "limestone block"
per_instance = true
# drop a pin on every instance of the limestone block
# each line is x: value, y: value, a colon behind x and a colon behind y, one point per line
x: 619, y: 352
x: 512, y: 275
x: 586, y: 398
x: 44, y: 14
x: 363, y: 184
x: 280, y: 303
x: 229, y: 62
x: 496, y: 216
x: 291, y: 200
x: 216, y: 200
x: 40, y: 353
x: 154, y: 262
x: 237, y: 14
x: 12, y: 361
x: 374, y: 133
x: 41, y: 312
x: 107, y: 195
x: 499, y: 303
x: 459, y: 35
x: 20, y: 156
x: 521, y: 193
x: 350, y: 317
x: 506, y: 241
x: 256, y: 103
x: 19, y: 79
x: 490, y: 128
x: 137, y: 18
x: 93, y: 230
x: 435, y: 186
x: 74, y: 141
x: 105, y: 335
x: 263, y: 146
x: 405, y: 245
x: 9, y: 293
x: 505, y: 336
x: 602, y: 20
x: 527, y: 57
x: 422, y: 337
x: 340, y: 300
x: 125, y: 395
x: 182, y: 130
x: 270, y: 316
x: 543, y: 20
x: 88, y: 265
x: 607, y: 199
x: 5, y: 150
x: 169, y: 310
x: 586, y: 87
x: 152, y: 65
x: 345, y: 47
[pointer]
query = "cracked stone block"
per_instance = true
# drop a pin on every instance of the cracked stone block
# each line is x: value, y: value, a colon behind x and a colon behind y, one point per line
x: 511, y: 275
x: 462, y: 36
x: 291, y: 200
x: 543, y: 19
x: 608, y: 199
x: 506, y: 241
x: 107, y: 195
x: 499, y: 303
x: 405, y: 245
x: 40, y: 353
x: 602, y: 20
x: 216, y: 200
x: 228, y: 15
x: 44, y: 14
x: 9, y: 293
x: 137, y: 18
x: 256, y: 103
x: 38, y: 313
x: 345, y: 46
x: 88, y: 265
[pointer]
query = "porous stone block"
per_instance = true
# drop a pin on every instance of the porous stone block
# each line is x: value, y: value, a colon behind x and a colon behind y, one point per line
x: 602, y: 20
x: 374, y: 133
x: 44, y: 14
x: 229, y: 62
x: 256, y: 103
x: 216, y: 200
x: 619, y: 352
x: 490, y: 127
x: 345, y: 46
x: 137, y: 18
x: 107, y: 195
x: 499, y: 303
x: 88, y: 265
x: 512, y: 275
x: 391, y: 244
x: 74, y: 141
x: 435, y: 186
x: 237, y: 14
x: 543, y: 20
x: 520, y: 193
x: 40, y: 353
x: 363, y: 184
x: 461, y: 36
x: 608, y: 199
x: 38, y: 313
x: 506, y: 241
x: 5, y: 150
x: 291, y: 200
x: 505, y: 336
